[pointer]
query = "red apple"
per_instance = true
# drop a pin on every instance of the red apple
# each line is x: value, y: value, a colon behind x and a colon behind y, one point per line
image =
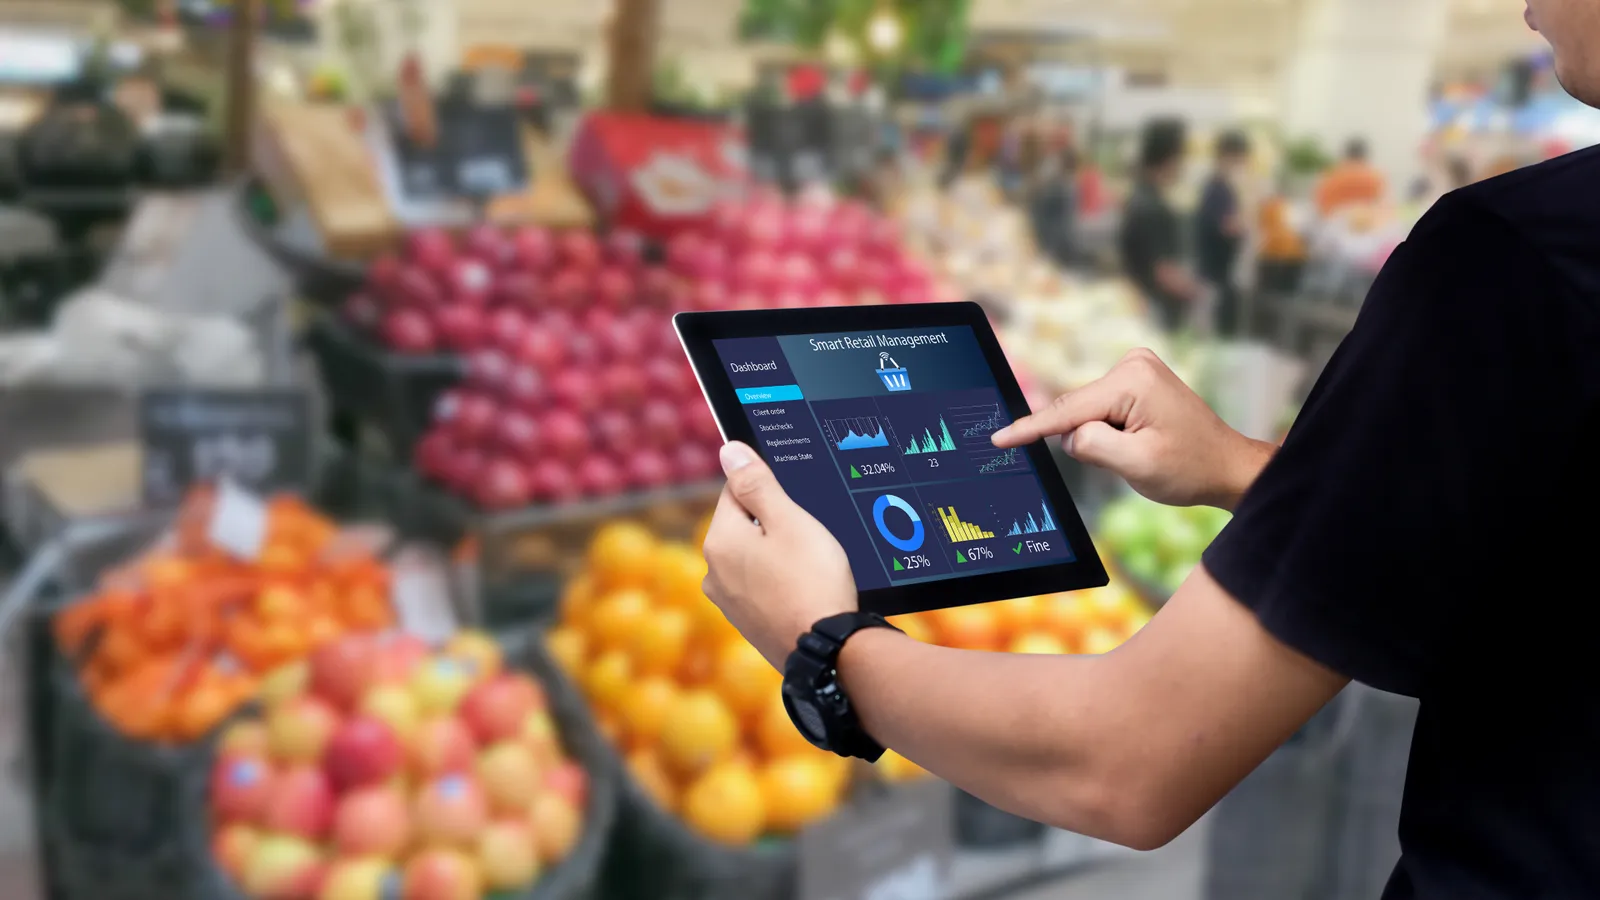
x: 596, y: 319
x: 622, y: 385
x: 614, y: 431
x: 648, y: 469
x: 441, y: 746
x: 554, y: 482
x: 450, y: 811
x: 569, y: 289
x: 409, y: 331
x: 517, y: 433
x: 598, y: 476
x: 488, y: 369
x: 473, y: 420
x: 791, y: 300
x: 565, y: 434
x: 747, y: 299
x: 413, y: 286
x: 830, y: 297
x: 541, y: 349
x: 281, y: 867
x: 461, y: 326
x: 301, y: 804
x: 660, y: 424
x: 363, y: 752
x: 467, y: 470
x: 657, y: 287
x: 520, y: 290
x: 431, y: 248
x: 434, y: 453
x: 758, y: 271
x: 623, y: 340
x: 578, y: 249
x: 440, y: 873
x: 698, y: 421
x: 495, y: 709
x: 503, y: 485
x: 625, y: 249
x: 843, y: 268
x: 708, y: 296
x: 395, y: 657
x: 506, y: 328
x: 372, y: 821
x: 339, y: 671
x: 231, y: 847
x: 383, y: 276
x: 576, y: 390
x: 240, y: 788
x: 614, y: 288
x: 797, y: 273
x: 669, y: 378
x: 363, y: 311
x: 683, y: 250
x: 469, y: 281
x: 525, y: 389
x: 508, y: 855
x: 532, y: 249
x: 693, y: 462
x: 569, y: 782
x: 488, y: 244
x: 583, y: 349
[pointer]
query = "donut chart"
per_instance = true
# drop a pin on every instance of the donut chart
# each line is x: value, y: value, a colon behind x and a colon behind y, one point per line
x: 881, y: 506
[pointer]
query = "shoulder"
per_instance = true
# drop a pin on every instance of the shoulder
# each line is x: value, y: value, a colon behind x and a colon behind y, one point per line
x: 1552, y: 208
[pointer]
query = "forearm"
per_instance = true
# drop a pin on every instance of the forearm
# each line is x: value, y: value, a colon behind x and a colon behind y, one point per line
x: 1028, y: 733
x: 1242, y: 470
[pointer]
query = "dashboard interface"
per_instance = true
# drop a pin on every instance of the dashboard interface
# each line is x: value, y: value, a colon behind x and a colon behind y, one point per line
x: 885, y: 438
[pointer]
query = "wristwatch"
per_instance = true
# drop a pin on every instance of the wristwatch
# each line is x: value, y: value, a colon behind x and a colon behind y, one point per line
x: 812, y: 693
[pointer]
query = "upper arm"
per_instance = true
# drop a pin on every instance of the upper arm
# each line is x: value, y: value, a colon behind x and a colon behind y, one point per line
x: 1213, y: 694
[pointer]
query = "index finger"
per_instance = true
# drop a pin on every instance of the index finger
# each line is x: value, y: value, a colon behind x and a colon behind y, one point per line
x: 1106, y: 399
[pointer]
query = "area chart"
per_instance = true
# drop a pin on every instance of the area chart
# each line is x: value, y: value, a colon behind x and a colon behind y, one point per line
x: 944, y: 444
x: 1030, y: 525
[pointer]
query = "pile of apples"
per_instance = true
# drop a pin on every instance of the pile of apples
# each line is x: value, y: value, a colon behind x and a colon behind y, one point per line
x: 693, y: 708
x: 386, y: 770
x: 1159, y: 545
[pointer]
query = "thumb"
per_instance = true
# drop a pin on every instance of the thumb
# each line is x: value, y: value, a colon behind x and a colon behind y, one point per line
x: 1103, y: 445
x: 752, y: 483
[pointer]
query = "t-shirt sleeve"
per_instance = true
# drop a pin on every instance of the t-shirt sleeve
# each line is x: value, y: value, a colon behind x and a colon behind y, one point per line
x: 1367, y: 539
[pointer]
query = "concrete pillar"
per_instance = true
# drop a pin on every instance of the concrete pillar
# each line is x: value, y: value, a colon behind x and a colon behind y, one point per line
x: 1363, y: 68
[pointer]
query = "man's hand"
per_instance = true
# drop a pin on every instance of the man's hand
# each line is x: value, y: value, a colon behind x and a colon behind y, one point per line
x: 773, y: 570
x: 1143, y: 423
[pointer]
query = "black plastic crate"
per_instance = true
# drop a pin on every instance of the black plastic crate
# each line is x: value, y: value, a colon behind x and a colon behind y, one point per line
x: 389, y: 392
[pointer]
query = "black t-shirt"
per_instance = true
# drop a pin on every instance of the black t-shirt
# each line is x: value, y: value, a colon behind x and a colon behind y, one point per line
x: 1429, y: 528
x: 1216, y: 250
x: 1151, y: 235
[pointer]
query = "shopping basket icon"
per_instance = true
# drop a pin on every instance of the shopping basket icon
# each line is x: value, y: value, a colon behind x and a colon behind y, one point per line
x: 894, y: 377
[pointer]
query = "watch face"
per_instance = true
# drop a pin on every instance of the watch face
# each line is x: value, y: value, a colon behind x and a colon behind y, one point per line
x: 806, y: 717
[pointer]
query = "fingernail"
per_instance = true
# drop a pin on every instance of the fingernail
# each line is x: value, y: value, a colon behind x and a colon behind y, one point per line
x: 1066, y: 442
x: 736, y: 456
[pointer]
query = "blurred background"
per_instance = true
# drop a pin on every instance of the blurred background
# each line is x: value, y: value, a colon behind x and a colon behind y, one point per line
x: 353, y: 478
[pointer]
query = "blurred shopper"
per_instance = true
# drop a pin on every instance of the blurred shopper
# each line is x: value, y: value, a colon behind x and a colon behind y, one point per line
x: 1353, y: 181
x: 1151, y: 241
x: 1398, y: 538
x: 1220, y: 229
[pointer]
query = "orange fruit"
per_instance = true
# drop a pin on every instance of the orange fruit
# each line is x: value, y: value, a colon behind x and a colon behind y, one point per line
x: 1065, y: 616
x: 725, y: 805
x: 744, y: 678
x: 607, y: 679
x: 697, y: 732
x: 617, y: 616
x: 646, y: 768
x: 796, y: 791
x: 622, y: 554
x: 658, y: 643
x: 699, y: 666
x: 577, y: 600
x: 916, y: 627
x: 699, y: 539
x: 644, y: 707
x: 968, y: 627
x: 1017, y: 615
x: 776, y: 733
x: 711, y: 627
x: 569, y: 647
x: 679, y: 571
x: 1099, y: 640
x: 1037, y: 642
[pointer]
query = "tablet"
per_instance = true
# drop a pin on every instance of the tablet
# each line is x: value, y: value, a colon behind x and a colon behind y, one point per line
x: 877, y: 420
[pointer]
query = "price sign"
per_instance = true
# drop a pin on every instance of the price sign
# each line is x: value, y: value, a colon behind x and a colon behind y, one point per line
x: 257, y: 439
x: 894, y: 847
x: 479, y: 153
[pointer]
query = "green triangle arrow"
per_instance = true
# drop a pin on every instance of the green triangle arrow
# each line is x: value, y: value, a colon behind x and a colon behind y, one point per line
x: 897, y: 566
x: 959, y: 557
x: 854, y: 473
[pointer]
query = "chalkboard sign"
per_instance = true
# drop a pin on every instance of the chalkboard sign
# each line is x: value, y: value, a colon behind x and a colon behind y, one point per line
x: 259, y: 439
x: 894, y: 847
x: 479, y: 153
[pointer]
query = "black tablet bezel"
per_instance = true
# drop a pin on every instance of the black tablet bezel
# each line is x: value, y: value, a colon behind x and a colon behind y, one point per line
x: 696, y: 331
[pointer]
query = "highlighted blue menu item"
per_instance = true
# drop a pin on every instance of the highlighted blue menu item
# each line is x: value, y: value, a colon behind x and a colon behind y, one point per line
x: 778, y: 394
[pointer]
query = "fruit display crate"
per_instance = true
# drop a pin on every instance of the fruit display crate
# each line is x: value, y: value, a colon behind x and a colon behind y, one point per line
x: 521, y: 558
x: 578, y: 876
x: 390, y: 393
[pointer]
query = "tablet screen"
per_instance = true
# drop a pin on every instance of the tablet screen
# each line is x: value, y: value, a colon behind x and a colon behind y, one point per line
x: 885, y: 438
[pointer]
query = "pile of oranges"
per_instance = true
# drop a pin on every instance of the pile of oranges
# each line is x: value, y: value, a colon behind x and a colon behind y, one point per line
x: 172, y: 642
x: 694, y: 708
